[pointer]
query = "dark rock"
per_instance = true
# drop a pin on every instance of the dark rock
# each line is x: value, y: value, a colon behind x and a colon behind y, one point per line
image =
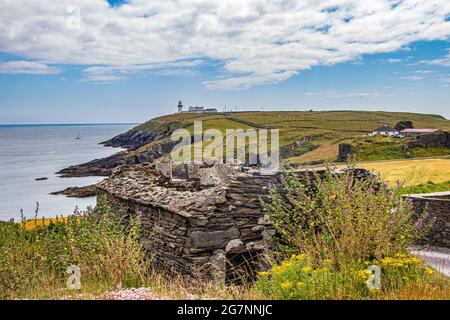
x: 402, y: 125
x: 97, y: 167
x: 345, y: 151
x: 105, y: 166
x: 78, y: 192
x: 140, y: 136
x: 205, y: 239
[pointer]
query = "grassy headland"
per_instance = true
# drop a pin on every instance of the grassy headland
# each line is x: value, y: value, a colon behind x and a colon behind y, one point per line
x: 319, y: 133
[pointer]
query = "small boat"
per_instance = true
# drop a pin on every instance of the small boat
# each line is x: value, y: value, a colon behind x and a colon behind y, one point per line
x: 78, y: 137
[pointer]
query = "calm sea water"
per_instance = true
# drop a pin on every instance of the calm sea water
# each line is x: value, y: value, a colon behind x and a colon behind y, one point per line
x: 28, y: 152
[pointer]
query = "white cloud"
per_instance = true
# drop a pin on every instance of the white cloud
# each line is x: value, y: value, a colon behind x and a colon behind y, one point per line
x: 444, y: 61
x: 411, y: 78
x: 255, y: 41
x: 27, y: 67
x: 350, y: 94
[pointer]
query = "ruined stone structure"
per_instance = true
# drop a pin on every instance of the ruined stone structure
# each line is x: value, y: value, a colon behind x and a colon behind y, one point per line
x: 207, y: 222
x: 429, y: 140
x: 345, y: 151
x: 437, y: 207
x: 199, y: 220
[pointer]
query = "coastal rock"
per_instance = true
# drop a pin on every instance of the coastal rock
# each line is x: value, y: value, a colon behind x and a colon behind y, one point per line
x: 97, y: 167
x: 105, y: 166
x: 78, y: 192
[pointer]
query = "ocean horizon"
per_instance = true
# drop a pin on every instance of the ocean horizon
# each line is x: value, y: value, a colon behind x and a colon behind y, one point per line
x: 65, y: 124
x: 32, y: 151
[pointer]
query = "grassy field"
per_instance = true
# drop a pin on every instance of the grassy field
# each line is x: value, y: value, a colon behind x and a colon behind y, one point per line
x: 311, y: 136
x: 414, y: 172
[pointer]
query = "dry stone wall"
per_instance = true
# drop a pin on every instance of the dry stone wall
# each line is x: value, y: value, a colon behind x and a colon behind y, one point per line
x: 437, y: 208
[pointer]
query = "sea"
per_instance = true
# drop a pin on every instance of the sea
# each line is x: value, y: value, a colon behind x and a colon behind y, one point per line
x: 28, y: 152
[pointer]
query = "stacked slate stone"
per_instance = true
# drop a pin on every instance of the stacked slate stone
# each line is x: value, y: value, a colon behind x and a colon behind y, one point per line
x: 198, y: 219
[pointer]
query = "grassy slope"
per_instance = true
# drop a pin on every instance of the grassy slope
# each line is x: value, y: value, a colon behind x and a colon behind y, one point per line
x: 326, y: 129
x: 414, y: 173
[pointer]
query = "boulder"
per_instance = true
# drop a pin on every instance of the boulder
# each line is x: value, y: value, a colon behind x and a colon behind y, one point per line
x: 402, y: 125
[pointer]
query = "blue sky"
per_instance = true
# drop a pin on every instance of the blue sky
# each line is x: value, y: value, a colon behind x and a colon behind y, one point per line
x: 116, y: 74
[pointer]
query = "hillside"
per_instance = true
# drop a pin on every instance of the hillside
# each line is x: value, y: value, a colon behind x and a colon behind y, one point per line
x: 305, y: 137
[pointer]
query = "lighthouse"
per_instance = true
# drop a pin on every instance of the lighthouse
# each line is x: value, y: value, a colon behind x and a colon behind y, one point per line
x: 180, y: 106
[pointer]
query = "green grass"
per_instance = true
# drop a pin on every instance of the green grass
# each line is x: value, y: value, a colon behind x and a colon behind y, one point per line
x: 427, y: 188
x: 379, y: 148
x: 324, y: 129
x: 388, y: 148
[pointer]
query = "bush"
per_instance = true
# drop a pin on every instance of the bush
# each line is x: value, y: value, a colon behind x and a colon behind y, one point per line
x: 341, y: 218
x: 104, y: 247
x: 333, y: 227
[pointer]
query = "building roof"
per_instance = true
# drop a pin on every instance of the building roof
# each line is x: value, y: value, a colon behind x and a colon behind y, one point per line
x: 422, y: 130
x: 385, y: 128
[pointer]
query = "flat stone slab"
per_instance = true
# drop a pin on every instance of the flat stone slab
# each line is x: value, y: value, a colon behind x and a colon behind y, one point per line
x: 205, y: 239
x: 437, y: 257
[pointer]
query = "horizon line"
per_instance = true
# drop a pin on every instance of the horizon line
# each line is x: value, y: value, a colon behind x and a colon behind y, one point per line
x: 68, y: 124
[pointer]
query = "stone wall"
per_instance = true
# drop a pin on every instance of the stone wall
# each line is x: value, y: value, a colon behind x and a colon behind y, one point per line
x: 437, y: 207
x: 430, y: 140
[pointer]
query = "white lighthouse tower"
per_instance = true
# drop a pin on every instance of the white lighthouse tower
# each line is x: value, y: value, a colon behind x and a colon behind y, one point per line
x: 180, y: 106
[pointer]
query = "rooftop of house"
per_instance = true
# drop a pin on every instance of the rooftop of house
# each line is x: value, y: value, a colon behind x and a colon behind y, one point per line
x: 420, y: 130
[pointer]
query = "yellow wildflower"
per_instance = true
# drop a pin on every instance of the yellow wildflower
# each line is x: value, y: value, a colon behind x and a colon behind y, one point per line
x: 286, y: 285
x: 263, y: 274
x: 306, y: 269
x: 429, y: 270
x: 300, y: 284
x: 333, y: 196
x: 276, y: 270
x: 363, y: 275
x: 299, y: 257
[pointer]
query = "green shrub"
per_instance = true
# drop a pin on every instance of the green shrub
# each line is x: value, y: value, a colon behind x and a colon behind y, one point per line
x: 341, y: 218
x: 333, y: 227
x: 428, y: 187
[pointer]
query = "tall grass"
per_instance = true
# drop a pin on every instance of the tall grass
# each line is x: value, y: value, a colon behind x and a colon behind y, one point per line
x: 105, y: 248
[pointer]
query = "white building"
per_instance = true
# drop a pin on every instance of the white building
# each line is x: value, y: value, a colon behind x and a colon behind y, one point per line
x: 385, y: 130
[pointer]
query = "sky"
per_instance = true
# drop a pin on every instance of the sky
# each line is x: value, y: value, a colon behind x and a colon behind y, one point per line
x: 98, y: 61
